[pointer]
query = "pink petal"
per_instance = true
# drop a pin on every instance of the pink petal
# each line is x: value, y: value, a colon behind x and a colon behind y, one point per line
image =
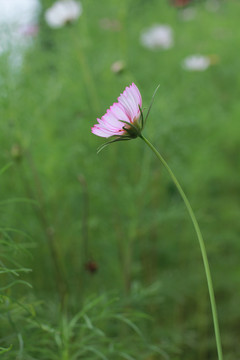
x: 110, y: 120
x: 118, y: 111
x: 124, y: 100
x: 133, y: 93
x: 100, y: 132
x: 137, y: 94
x: 107, y: 126
x: 126, y: 109
x: 132, y: 100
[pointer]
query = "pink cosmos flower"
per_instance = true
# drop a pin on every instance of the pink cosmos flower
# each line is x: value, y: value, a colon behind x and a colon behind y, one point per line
x: 122, y: 117
x: 124, y: 120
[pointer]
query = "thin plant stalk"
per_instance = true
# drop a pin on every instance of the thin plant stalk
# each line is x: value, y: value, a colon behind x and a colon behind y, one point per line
x: 51, y: 242
x: 201, y: 243
x: 130, y: 105
x: 85, y: 216
x: 89, y: 82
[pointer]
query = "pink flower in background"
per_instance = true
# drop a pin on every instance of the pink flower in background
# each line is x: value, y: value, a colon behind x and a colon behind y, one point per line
x: 121, y: 119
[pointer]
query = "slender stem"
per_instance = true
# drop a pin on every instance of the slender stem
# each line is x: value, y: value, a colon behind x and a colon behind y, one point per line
x: 90, y: 85
x: 51, y: 241
x: 202, y: 247
x: 85, y: 216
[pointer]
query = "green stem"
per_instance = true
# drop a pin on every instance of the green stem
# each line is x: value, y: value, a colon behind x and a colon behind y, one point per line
x: 202, y: 247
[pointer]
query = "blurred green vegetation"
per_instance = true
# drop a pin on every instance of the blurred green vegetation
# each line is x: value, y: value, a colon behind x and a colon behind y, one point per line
x: 95, y: 227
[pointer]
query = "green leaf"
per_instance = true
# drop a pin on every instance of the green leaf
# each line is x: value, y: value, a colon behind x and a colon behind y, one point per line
x: 5, y: 168
x: 14, y: 283
x: 4, y: 350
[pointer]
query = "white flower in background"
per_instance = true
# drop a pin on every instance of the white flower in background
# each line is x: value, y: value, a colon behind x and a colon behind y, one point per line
x: 16, y: 15
x: 62, y: 12
x: 196, y: 63
x: 187, y: 14
x: 157, y: 37
x: 18, y: 12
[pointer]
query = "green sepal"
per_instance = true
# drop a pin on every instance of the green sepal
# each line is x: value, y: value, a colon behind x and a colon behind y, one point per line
x: 120, y: 138
x: 142, y: 118
x: 150, y: 106
x: 133, y: 130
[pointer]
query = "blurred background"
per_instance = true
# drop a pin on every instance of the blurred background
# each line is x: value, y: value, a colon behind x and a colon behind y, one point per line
x: 98, y: 256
